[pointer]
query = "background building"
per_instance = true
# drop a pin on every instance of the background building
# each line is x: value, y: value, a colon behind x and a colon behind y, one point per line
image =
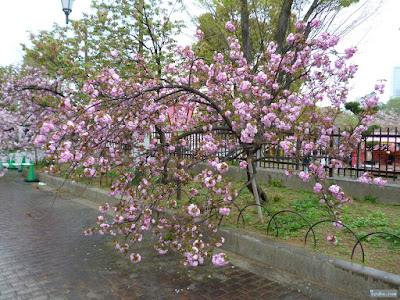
x: 396, y: 82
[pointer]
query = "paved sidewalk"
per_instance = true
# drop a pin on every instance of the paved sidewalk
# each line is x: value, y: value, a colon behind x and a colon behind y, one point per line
x: 48, y: 257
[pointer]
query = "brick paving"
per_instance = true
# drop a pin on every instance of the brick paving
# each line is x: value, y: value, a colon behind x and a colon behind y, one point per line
x: 48, y: 257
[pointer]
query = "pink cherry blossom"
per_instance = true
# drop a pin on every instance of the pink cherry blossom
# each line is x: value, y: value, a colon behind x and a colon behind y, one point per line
x: 304, y: 176
x: 135, y: 258
x: 219, y: 260
x: 317, y: 188
x: 193, y: 210
x: 365, y: 178
x: 230, y: 27
x: 379, y: 181
x: 199, y: 34
x: 114, y: 53
x: 224, y: 211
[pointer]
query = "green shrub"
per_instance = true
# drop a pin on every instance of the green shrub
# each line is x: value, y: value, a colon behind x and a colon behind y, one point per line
x: 370, y: 199
x: 276, y: 183
x: 276, y: 198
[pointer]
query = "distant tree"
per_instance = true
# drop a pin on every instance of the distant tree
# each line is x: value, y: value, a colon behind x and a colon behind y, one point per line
x: 262, y: 21
x: 392, y: 105
x: 82, y: 49
x: 254, y: 18
x: 354, y: 107
x: 346, y: 119
x: 6, y: 72
x: 357, y: 108
x: 27, y: 97
x: 387, y: 119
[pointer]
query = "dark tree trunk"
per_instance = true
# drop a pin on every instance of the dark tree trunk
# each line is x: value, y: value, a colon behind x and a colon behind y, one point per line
x: 261, y: 193
x: 244, y: 15
x: 161, y: 134
x: 140, y: 28
x: 283, y: 24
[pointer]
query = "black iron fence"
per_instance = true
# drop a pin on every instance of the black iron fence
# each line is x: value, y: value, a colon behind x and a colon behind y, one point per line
x: 378, y: 153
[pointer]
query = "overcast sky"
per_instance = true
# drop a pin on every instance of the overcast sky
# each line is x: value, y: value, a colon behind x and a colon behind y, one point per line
x: 378, y: 43
x: 378, y: 40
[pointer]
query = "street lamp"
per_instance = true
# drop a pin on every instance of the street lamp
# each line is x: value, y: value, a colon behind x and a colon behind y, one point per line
x: 67, y: 7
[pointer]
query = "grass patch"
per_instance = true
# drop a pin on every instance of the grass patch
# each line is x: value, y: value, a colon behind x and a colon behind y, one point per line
x: 362, y: 217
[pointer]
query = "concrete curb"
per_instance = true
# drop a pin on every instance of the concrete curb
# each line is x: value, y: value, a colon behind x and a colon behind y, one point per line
x: 336, y: 274
x: 313, y: 273
x: 94, y: 194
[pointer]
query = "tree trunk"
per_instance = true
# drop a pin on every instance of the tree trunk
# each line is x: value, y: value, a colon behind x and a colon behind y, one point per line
x: 255, y: 190
x: 283, y: 24
x: 244, y: 15
x: 263, y: 196
x: 178, y: 181
x: 164, y: 176
x: 140, y: 27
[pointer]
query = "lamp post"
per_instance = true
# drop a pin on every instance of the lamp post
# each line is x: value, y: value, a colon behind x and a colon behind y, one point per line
x: 67, y: 8
x: 179, y: 113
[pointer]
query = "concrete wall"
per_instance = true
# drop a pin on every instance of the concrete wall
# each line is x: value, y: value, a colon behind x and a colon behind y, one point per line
x: 389, y: 194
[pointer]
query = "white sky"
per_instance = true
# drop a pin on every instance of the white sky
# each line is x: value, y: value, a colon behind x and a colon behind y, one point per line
x: 378, y: 43
x: 378, y: 40
x: 19, y: 17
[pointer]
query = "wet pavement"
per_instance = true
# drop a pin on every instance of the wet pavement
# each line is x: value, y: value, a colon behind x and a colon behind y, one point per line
x: 47, y: 256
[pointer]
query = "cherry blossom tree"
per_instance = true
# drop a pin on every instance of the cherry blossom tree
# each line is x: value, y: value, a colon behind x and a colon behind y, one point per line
x: 387, y: 119
x: 236, y: 112
x: 27, y: 99
x: 101, y: 105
